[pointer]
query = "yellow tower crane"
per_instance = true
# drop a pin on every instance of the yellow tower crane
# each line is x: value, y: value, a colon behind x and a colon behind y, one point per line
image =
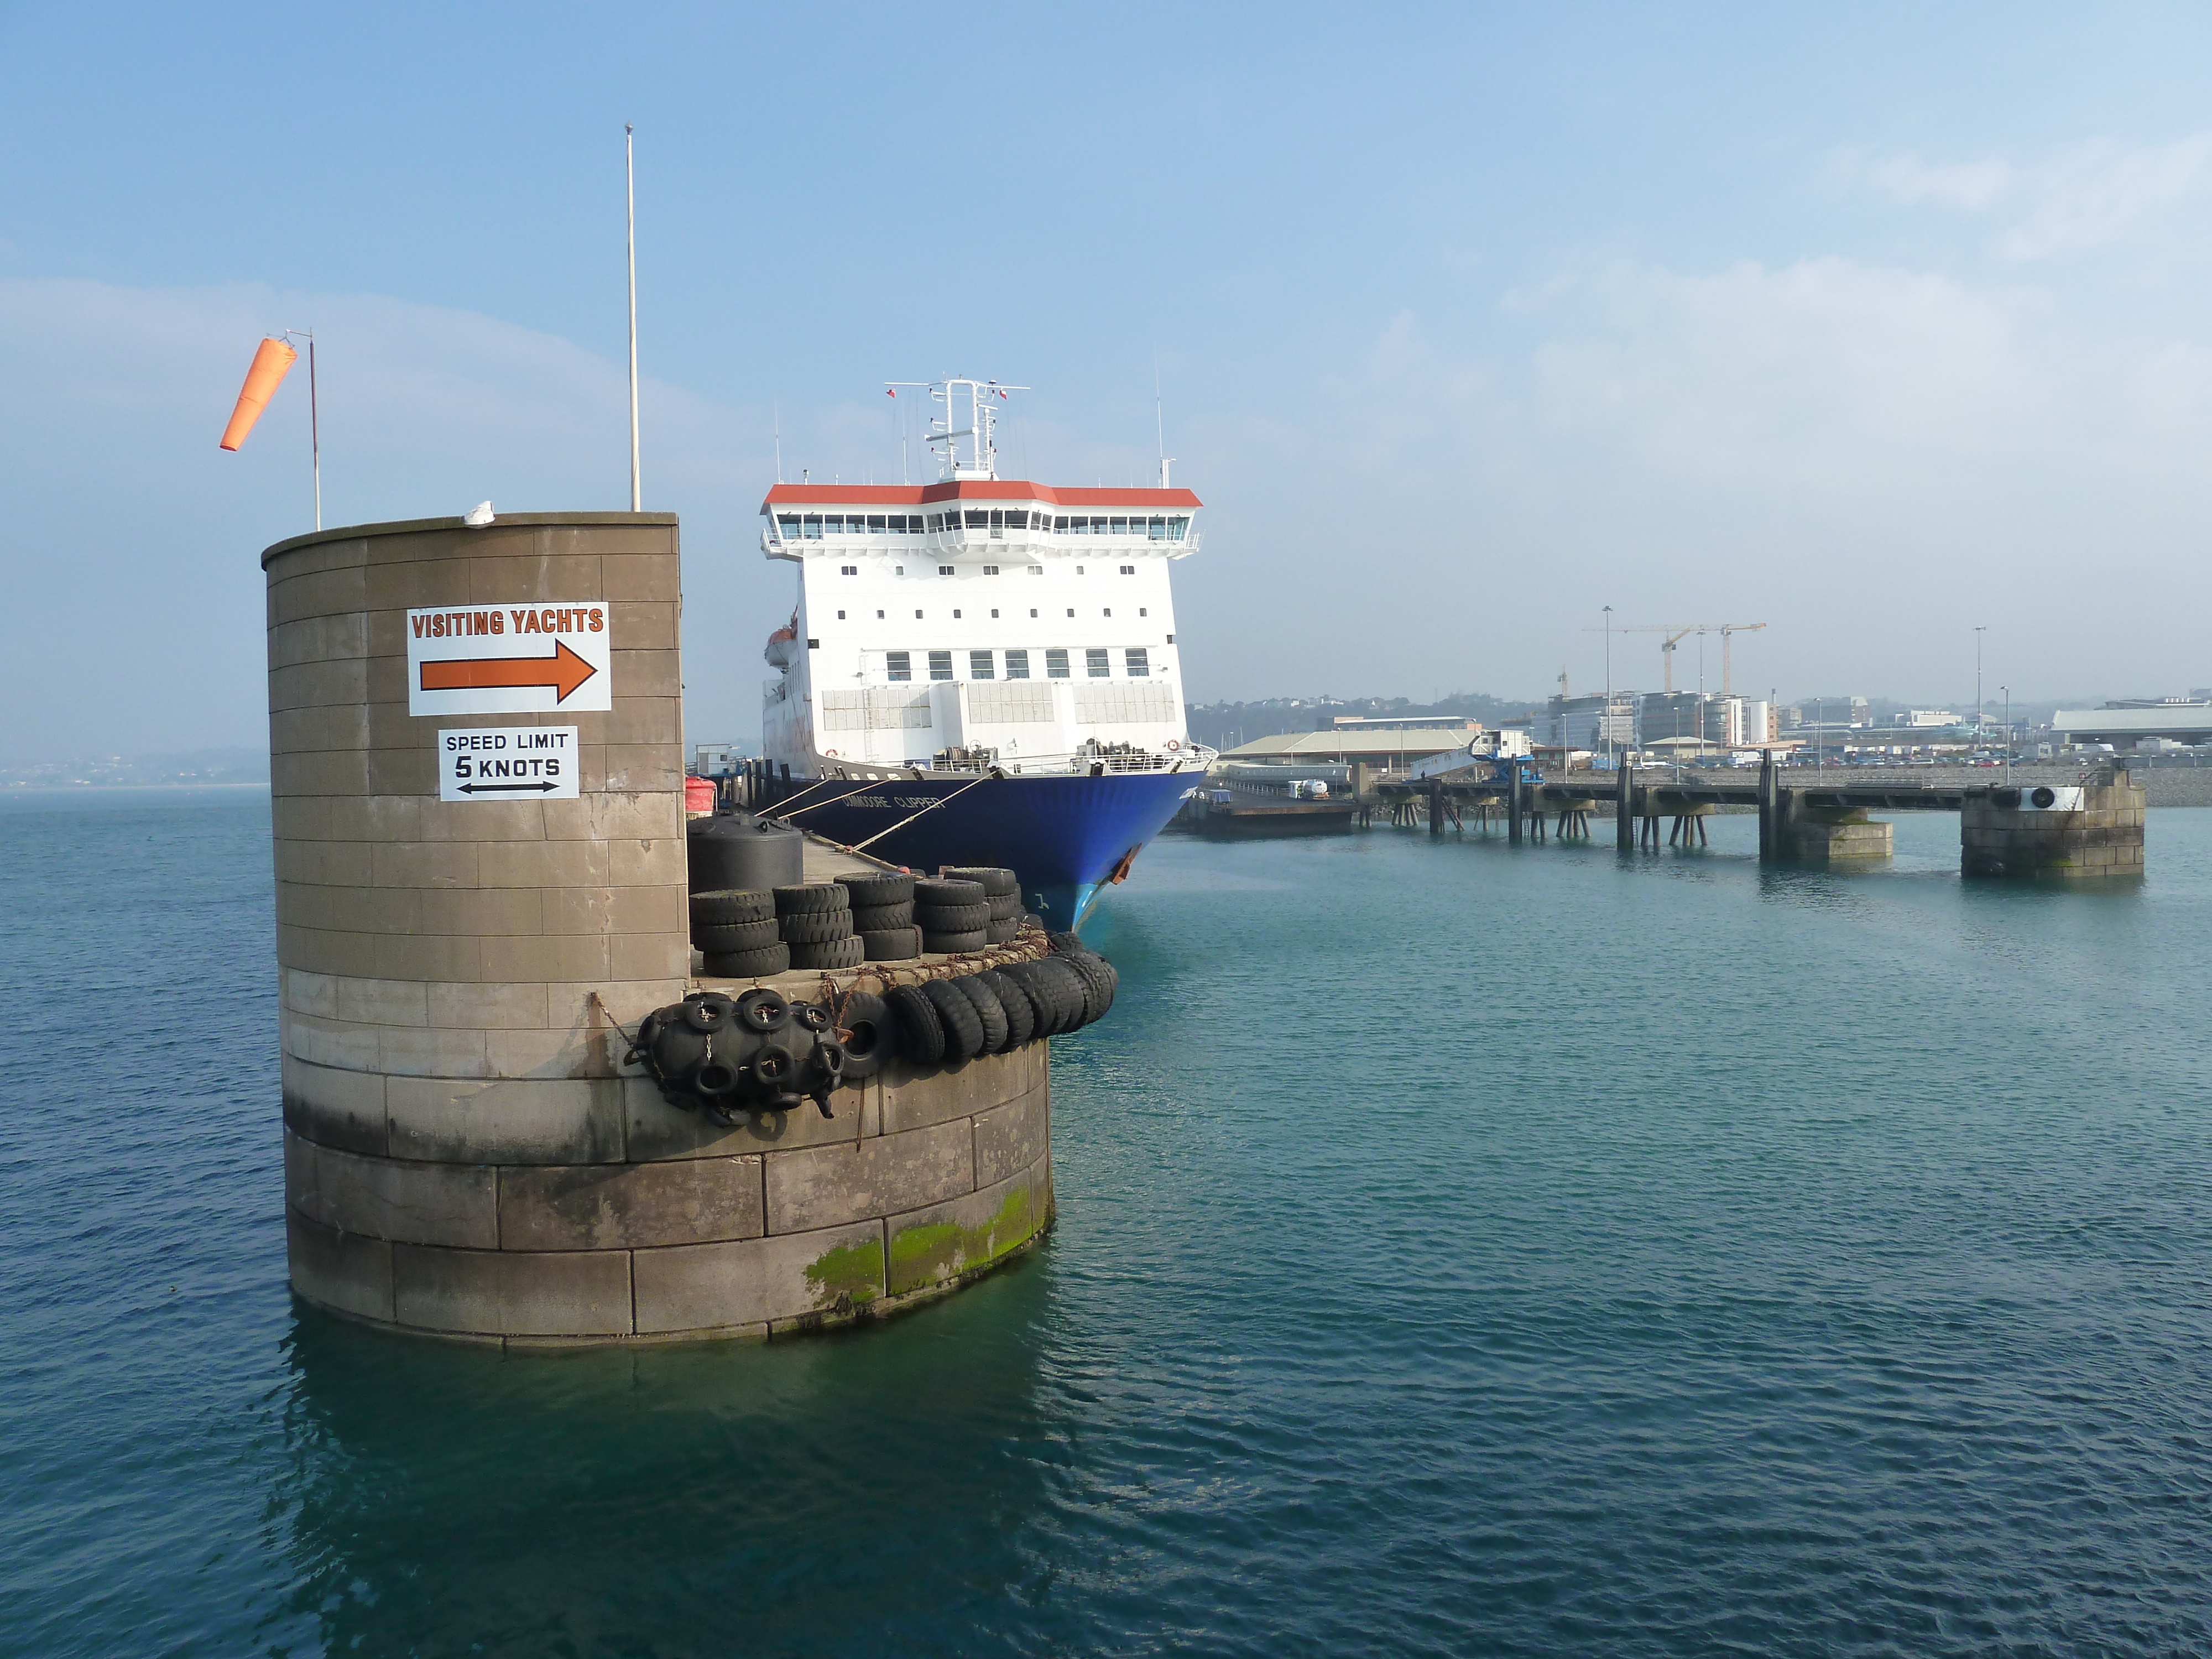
x: 1677, y: 632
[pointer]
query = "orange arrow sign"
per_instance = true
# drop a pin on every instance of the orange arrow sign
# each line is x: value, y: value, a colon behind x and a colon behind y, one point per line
x: 564, y: 670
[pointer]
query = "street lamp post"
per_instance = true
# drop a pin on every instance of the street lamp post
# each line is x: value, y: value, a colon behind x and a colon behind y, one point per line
x: 2007, y: 731
x: 1978, y: 632
x: 1605, y: 713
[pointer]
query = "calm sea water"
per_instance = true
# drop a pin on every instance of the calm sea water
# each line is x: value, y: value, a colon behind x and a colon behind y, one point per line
x: 1462, y: 1251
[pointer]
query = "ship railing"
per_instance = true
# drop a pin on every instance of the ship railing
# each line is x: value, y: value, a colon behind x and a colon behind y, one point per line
x: 1193, y: 758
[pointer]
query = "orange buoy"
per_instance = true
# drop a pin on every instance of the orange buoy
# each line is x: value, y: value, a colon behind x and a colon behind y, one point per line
x: 270, y: 364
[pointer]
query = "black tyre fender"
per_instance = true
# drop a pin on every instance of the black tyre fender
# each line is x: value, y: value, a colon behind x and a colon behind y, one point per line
x: 948, y: 943
x: 815, y: 927
x: 996, y: 883
x: 892, y: 944
x: 1014, y: 1002
x: 868, y: 1032
x: 951, y: 918
x: 1006, y: 907
x: 729, y: 906
x: 812, y: 897
x: 988, y: 1009
x: 1002, y: 933
x: 1098, y: 982
x: 879, y: 892
x: 775, y: 1069
x: 762, y: 1010
x: 963, y: 1026
x: 1048, y: 994
x: 846, y: 952
x: 949, y: 892
x: 709, y: 1011
x: 920, y: 1032
x: 720, y: 939
x: 751, y: 964
x: 1073, y: 989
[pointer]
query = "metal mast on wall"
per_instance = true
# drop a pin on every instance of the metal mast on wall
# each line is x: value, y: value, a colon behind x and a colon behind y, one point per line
x: 630, y: 170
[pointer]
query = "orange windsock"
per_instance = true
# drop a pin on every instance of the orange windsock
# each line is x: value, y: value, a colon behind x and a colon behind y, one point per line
x: 262, y: 381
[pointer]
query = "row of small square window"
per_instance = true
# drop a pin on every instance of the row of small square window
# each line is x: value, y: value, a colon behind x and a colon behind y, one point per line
x: 1142, y: 610
x: 1097, y: 663
x: 988, y: 569
x: 813, y: 527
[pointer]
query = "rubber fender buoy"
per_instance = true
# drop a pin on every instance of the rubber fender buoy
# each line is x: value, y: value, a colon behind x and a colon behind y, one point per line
x: 751, y: 964
x: 951, y: 944
x: 829, y: 1059
x: 815, y: 927
x: 921, y: 1033
x: 963, y: 1028
x: 879, y: 892
x: 867, y: 1030
x: 949, y: 892
x: 846, y: 952
x: 815, y: 896
x: 1014, y: 1002
x: 709, y: 1012
x: 762, y: 1010
x: 731, y: 906
x: 988, y: 1009
x: 721, y: 938
x: 881, y: 918
x: 714, y: 1077
x: 951, y: 918
x: 1002, y: 933
x: 996, y: 882
x: 774, y: 1068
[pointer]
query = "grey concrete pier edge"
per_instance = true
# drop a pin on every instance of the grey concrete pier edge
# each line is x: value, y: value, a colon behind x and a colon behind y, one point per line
x: 466, y: 1154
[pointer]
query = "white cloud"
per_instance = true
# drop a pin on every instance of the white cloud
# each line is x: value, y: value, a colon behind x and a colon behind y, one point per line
x: 2096, y: 194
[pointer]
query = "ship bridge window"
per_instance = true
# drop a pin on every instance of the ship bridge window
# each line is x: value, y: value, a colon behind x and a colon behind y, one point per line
x: 979, y: 666
x: 1098, y: 526
x: 898, y: 665
x: 1159, y: 530
x: 787, y: 527
x: 979, y: 518
x: 1018, y: 664
x: 1120, y: 526
x: 1097, y: 663
x: 1139, y: 667
x: 940, y: 664
x: 811, y: 527
x: 998, y: 517
x: 876, y: 521
x: 1055, y: 665
x: 1079, y: 527
x: 1176, y: 527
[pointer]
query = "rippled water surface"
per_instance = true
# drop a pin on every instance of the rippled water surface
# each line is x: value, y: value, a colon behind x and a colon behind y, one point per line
x: 1462, y: 1251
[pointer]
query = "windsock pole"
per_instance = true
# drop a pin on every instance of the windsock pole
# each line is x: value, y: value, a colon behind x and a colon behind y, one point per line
x: 315, y: 428
x: 630, y: 169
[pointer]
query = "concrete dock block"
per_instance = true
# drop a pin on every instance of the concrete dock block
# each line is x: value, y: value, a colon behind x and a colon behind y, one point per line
x: 656, y: 1131
x: 328, y: 725
x: 341, y: 591
x: 319, y: 639
x: 915, y: 1098
x: 335, y: 1108
x: 383, y: 1001
x: 502, y: 1007
x: 431, y: 1052
x: 968, y: 1233
x: 704, y: 1286
x: 621, y: 1205
x: 876, y: 1176
x: 343, y: 1271
x: 1011, y: 1137
x: 499, y: 912
x: 524, y: 1121
x: 386, y: 1198
x: 320, y: 685
x: 451, y: 958
x: 512, y: 1292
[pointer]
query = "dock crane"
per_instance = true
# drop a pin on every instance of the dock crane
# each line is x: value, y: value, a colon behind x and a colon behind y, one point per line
x: 1677, y: 632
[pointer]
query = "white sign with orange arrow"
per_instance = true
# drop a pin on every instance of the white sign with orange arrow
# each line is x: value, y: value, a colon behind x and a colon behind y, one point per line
x: 510, y: 659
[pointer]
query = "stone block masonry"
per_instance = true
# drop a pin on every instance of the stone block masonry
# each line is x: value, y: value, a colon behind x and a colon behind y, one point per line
x: 2102, y: 840
x: 466, y: 1153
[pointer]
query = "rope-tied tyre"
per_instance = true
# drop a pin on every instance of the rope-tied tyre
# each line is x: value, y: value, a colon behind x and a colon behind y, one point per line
x: 865, y: 1024
x: 988, y: 1009
x: 920, y: 1032
x: 1014, y: 1002
x: 963, y: 1027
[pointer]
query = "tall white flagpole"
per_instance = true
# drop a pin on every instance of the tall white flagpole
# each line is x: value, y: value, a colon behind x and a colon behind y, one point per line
x: 630, y: 166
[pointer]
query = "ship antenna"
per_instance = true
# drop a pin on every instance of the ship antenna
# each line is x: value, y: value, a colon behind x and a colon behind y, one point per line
x: 1160, y: 422
x: 778, y: 407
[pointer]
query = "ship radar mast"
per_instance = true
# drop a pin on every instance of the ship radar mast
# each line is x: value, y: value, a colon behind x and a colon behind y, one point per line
x: 978, y: 401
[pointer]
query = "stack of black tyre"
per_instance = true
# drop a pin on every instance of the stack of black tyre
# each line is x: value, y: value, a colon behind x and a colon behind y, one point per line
x: 967, y: 909
x: 816, y: 922
x: 883, y: 916
x: 738, y: 931
x: 948, y: 1020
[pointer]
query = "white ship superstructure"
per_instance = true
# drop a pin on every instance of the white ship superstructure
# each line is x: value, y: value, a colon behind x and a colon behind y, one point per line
x: 977, y: 621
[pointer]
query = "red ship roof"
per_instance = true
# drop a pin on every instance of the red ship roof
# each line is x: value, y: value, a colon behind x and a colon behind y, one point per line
x: 969, y: 489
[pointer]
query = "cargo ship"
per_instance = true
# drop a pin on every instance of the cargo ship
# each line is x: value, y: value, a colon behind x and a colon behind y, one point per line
x: 980, y: 670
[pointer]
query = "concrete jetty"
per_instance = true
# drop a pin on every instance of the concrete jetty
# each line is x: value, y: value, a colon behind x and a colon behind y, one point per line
x: 476, y: 743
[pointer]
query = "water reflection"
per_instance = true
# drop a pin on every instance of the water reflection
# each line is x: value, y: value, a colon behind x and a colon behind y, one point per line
x: 813, y: 1497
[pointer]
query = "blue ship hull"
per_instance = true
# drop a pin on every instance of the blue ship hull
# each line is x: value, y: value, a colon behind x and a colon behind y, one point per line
x: 1064, y: 836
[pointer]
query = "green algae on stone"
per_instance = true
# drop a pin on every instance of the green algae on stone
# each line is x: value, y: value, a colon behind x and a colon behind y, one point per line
x: 851, y: 1272
x: 921, y: 1256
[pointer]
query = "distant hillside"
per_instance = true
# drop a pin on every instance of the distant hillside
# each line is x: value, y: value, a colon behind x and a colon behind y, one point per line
x: 200, y: 766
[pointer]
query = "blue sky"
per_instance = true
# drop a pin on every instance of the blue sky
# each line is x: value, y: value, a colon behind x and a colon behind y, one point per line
x: 1872, y: 325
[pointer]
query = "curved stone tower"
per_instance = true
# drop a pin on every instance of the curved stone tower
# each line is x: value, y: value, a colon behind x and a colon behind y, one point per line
x: 476, y: 774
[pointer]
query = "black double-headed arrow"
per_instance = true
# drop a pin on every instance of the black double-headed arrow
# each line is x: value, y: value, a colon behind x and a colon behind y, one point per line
x: 499, y: 788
